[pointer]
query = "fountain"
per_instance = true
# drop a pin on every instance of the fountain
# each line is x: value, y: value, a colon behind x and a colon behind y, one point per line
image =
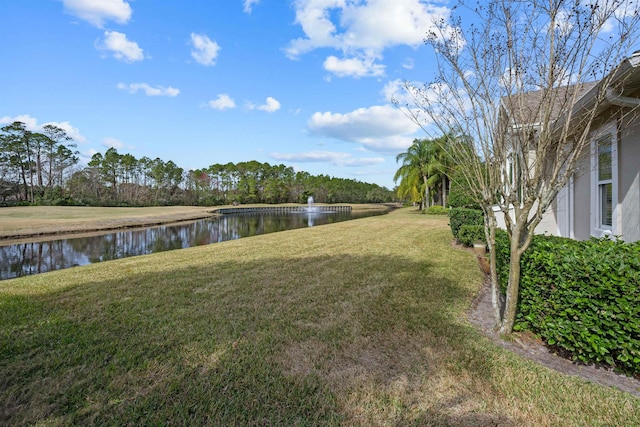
x: 312, y: 210
x: 310, y: 207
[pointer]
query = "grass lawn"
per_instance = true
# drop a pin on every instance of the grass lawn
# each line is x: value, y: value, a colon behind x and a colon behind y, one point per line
x: 354, y: 323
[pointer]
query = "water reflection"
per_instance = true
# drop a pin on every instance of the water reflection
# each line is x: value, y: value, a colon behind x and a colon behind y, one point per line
x: 39, y: 257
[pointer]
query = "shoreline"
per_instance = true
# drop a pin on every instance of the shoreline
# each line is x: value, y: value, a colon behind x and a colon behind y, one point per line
x: 89, y: 232
x: 40, y: 221
x: 43, y: 223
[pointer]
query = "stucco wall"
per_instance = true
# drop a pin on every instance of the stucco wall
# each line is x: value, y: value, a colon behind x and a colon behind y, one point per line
x: 629, y: 180
x: 548, y: 225
x: 582, y: 200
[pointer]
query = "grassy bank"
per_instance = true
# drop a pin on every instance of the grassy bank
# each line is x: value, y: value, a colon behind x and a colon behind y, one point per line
x: 24, y: 221
x: 28, y: 221
x: 353, y: 323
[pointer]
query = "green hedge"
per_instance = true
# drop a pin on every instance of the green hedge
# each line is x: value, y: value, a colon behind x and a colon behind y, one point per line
x: 437, y: 210
x: 469, y: 234
x: 462, y: 216
x: 581, y: 297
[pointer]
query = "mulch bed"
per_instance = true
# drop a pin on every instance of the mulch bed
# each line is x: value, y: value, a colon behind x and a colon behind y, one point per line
x: 481, y: 315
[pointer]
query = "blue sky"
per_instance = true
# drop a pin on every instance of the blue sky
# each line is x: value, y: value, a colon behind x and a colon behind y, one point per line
x: 307, y: 83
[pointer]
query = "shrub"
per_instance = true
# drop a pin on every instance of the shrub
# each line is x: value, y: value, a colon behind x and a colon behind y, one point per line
x: 469, y: 234
x: 463, y: 216
x: 582, y: 297
x: 437, y: 210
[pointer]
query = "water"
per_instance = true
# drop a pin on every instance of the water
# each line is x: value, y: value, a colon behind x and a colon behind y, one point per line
x: 35, y: 257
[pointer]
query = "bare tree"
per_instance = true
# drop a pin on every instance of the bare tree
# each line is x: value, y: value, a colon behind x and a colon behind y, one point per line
x: 524, y: 82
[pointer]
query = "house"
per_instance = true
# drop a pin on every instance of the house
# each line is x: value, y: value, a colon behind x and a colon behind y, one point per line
x: 603, y: 195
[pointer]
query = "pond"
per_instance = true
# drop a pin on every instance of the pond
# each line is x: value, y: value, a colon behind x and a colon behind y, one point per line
x: 33, y: 257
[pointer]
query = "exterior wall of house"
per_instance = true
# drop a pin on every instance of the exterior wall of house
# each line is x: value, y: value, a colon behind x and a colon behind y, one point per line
x: 548, y: 225
x: 629, y: 180
x: 562, y: 211
x: 582, y: 200
x: 499, y: 218
x: 570, y: 214
x: 549, y: 222
x: 628, y: 208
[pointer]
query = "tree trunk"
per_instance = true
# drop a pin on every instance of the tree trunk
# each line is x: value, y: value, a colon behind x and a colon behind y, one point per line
x: 490, y: 231
x: 444, y: 191
x: 511, y: 301
x: 426, y: 192
x: 23, y: 173
x: 39, y: 171
x: 517, y: 245
x: 51, y: 180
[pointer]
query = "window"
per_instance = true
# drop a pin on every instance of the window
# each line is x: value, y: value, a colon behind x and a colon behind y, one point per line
x: 604, y: 186
x: 605, y: 183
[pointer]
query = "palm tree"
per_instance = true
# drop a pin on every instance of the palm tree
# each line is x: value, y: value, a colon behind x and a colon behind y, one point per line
x: 414, y: 171
x: 440, y: 166
x: 425, y: 169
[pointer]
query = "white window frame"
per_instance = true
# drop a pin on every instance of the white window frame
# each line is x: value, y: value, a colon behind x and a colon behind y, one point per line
x: 597, y: 228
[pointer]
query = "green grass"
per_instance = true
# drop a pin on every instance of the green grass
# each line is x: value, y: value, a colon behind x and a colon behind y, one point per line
x: 353, y: 323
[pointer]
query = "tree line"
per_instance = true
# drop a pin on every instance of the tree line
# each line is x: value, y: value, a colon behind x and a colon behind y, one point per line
x: 34, y: 165
x: 43, y: 168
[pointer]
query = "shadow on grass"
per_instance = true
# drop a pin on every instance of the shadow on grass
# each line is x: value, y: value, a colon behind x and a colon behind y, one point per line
x: 313, y: 340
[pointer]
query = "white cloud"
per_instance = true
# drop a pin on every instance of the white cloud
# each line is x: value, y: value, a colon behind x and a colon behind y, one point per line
x: 313, y: 17
x: 382, y: 23
x: 335, y: 158
x: 205, y: 51
x: 416, y: 96
x: 222, y: 102
x: 426, y: 104
x: 149, y: 90
x: 408, y: 64
x: 248, y: 5
x: 617, y: 11
x: 379, y: 128
x: 96, y: 12
x: 396, y: 91
x: 71, y: 131
x: 110, y: 142
x: 312, y: 157
x: 270, y: 106
x: 361, y: 29
x: 364, y: 161
x: 392, y: 90
x: 122, y: 48
x: 31, y: 124
x: 353, y: 67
